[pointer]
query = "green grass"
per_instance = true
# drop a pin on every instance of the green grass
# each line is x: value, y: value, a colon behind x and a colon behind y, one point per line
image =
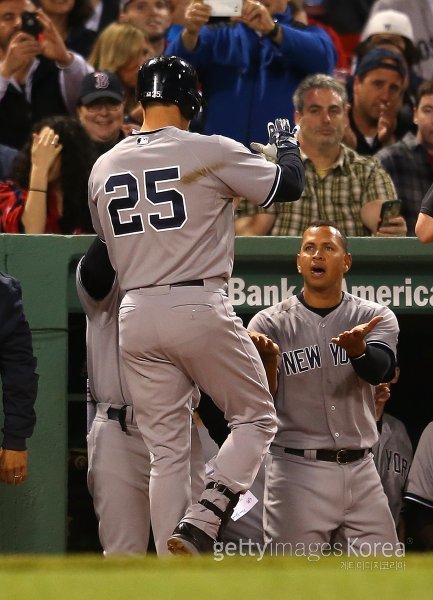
x: 95, y: 578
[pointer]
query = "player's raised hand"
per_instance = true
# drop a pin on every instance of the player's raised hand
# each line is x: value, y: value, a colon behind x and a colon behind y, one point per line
x: 353, y: 341
x: 280, y: 136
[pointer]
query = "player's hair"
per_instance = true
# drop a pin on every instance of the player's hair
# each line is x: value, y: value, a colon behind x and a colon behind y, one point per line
x: 328, y: 223
x: 318, y: 81
x: 78, y: 156
x: 425, y: 89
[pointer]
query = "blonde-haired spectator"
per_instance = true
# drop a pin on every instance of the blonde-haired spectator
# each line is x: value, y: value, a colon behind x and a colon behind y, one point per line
x: 122, y: 48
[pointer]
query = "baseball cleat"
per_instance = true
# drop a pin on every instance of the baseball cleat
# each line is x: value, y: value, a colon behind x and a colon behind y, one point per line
x: 189, y: 540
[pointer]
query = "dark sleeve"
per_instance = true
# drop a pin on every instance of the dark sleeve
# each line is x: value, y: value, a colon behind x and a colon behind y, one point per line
x: 17, y: 367
x: 97, y: 274
x: 292, y: 180
x: 427, y: 203
x: 213, y: 419
x: 377, y: 364
x: 419, y: 526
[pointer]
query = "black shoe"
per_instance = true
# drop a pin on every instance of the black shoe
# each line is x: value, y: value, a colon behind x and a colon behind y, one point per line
x: 187, y: 539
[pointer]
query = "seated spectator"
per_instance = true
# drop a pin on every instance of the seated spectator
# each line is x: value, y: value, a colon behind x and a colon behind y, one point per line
x: 421, y: 17
x: 38, y: 77
x: 250, y: 67
x: 121, y: 49
x: 378, y: 87
x: 101, y: 109
x: 394, y: 29
x: 7, y: 156
x: 340, y: 185
x: 419, y: 493
x: 48, y: 193
x: 153, y: 17
x: 410, y: 161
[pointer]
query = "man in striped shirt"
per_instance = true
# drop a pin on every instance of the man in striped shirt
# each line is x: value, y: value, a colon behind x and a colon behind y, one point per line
x: 340, y: 185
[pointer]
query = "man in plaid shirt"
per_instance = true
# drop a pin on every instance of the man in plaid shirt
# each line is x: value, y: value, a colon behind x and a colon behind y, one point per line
x: 410, y: 161
x: 340, y: 185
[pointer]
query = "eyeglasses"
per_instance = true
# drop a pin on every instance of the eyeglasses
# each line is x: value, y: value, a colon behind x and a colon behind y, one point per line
x: 107, y: 105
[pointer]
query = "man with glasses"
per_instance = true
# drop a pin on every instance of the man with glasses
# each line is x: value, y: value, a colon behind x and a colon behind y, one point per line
x: 101, y: 109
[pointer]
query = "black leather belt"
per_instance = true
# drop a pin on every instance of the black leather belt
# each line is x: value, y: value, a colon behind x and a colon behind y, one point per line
x: 118, y: 414
x: 193, y: 282
x: 341, y: 457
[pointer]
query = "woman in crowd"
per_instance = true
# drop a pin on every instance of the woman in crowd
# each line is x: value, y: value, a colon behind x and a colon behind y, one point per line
x: 121, y: 49
x: 48, y: 193
x: 70, y: 18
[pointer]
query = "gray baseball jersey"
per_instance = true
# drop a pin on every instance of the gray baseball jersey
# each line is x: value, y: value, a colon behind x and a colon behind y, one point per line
x: 162, y: 200
x: 321, y: 402
x: 393, y: 457
x: 420, y: 480
x: 167, y: 216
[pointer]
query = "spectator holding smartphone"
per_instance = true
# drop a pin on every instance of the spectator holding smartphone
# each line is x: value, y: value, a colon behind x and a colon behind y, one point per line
x: 250, y: 66
x: 39, y: 77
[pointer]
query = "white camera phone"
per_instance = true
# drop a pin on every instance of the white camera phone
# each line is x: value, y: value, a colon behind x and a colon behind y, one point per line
x: 225, y: 8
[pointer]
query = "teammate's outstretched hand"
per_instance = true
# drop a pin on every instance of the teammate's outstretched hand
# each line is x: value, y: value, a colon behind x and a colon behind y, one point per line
x: 264, y: 345
x: 269, y: 353
x: 353, y: 341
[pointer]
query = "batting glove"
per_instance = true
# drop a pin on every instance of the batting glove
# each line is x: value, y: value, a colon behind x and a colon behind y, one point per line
x: 280, y: 136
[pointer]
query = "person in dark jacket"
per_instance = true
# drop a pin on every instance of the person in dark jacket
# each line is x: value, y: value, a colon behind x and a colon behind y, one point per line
x: 19, y: 382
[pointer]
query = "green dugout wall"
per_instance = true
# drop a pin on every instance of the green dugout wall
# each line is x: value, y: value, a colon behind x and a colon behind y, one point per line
x: 33, y: 517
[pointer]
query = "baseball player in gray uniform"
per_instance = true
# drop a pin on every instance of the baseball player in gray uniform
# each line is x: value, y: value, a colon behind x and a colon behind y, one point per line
x: 119, y: 462
x: 322, y: 486
x: 392, y: 454
x: 419, y: 492
x: 162, y: 200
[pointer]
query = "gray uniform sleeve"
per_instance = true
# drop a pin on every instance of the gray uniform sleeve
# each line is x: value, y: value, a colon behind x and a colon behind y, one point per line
x: 420, y: 480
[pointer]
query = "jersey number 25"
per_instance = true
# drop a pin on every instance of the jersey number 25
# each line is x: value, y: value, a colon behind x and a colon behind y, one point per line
x: 132, y: 223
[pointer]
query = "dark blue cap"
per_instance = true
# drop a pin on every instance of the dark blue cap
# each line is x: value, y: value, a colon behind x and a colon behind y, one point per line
x: 380, y: 58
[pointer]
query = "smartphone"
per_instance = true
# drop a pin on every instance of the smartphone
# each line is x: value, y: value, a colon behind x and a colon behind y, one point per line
x: 389, y: 209
x: 30, y: 24
x: 225, y: 8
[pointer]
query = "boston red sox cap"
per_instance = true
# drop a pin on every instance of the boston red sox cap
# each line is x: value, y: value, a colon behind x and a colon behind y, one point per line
x: 379, y: 58
x: 100, y: 84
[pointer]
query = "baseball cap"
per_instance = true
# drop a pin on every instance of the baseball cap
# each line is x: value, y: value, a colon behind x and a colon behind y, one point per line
x: 389, y: 21
x: 100, y: 84
x: 379, y: 58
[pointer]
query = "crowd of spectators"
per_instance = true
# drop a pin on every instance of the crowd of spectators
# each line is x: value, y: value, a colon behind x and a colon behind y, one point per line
x: 250, y: 67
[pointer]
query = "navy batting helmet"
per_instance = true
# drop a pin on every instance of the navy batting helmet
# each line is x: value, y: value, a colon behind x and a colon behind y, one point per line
x: 169, y: 80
